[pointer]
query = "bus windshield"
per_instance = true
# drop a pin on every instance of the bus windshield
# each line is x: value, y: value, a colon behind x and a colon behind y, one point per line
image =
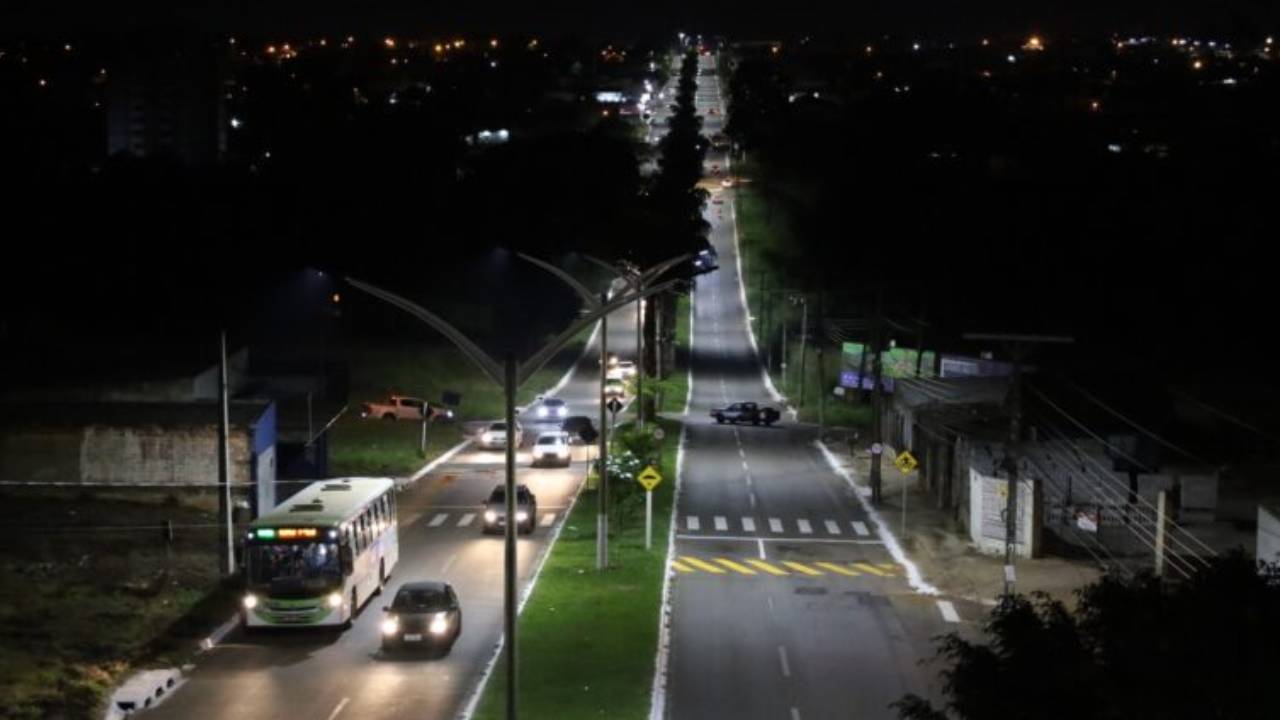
x: 295, y: 568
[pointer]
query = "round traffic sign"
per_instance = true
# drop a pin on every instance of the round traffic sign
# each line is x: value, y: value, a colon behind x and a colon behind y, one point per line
x: 658, y: 433
x: 876, y: 448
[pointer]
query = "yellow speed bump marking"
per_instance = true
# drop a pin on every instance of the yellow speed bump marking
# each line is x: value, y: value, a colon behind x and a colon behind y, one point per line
x: 695, y: 562
x: 840, y: 569
x: 891, y: 567
x: 800, y: 568
x: 681, y: 567
x: 736, y: 567
x: 771, y: 569
x: 865, y: 567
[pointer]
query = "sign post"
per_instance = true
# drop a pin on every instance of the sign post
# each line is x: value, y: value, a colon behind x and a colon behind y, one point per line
x: 648, y: 479
x: 906, y: 463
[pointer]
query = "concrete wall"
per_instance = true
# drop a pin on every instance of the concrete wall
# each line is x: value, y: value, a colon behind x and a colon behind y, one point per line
x: 143, y: 455
x: 1268, y: 548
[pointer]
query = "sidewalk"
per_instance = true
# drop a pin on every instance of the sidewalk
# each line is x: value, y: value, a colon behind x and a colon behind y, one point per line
x: 941, y: 547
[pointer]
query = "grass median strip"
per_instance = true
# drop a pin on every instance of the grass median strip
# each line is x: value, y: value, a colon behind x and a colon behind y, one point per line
x: 586, y: 638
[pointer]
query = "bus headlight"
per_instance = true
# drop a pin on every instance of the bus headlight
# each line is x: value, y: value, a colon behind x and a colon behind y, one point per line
x: 439, y: 623
x: 250, y: 601
x: 390, y: 625
x: 490, y: 516
x: 335, y: 600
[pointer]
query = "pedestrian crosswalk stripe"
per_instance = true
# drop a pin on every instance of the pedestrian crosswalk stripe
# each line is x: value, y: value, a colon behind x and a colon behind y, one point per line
x: 438, y: 520
x: 871, y: 569
x: 771, y: 569
x: 721, y: 523
x: 465, y: 520
x: 743, y: 569
x: 705, y: 566
x: 547, y: 519
x: 681, y: 566
x: 838, y: 569
x: 775, y: 525
x: 805, y: 527
x: 860, y: 528
x: 800, y: 568
x: 748, y: 524
x: 693, y: 523
x: 832, y: 527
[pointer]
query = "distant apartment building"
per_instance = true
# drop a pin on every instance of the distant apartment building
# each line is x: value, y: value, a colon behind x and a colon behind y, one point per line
x: 166, y: 102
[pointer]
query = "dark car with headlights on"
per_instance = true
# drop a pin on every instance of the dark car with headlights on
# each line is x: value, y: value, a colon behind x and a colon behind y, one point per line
x: 495, y: 510
x: 424, y: 615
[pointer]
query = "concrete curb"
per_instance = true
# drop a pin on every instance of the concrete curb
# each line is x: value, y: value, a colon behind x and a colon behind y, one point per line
x: 662, y: 657
x: 143, y: 691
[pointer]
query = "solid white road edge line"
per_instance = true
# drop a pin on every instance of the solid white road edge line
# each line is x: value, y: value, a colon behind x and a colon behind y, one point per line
x: 688, y: 396
x: 914, y: 578
x: 658, y: 697
x: 338, y: 709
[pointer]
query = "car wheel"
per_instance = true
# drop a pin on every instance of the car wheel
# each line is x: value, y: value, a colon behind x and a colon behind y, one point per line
x: 389, y: 416
x: 719, y: 419
x: 755, y: 421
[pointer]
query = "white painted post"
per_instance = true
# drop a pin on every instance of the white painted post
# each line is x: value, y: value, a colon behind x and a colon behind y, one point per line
x: 1161, y: 513
x: 648, y: 519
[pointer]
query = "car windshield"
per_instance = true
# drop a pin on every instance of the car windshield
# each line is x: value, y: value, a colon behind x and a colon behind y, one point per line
x: 550, y: 440
x: 420, y: 600
x: 498, y: 427
x: 295, y: 567
x: 552, y: 402
x: 499, y: 494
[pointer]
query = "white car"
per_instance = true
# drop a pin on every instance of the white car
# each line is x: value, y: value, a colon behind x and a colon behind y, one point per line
x: 628, y: 369
x: 494, y: 437
x: 552, y: 448
x: 615, y: 389
x: 614, y: 373
x: 552, y: 409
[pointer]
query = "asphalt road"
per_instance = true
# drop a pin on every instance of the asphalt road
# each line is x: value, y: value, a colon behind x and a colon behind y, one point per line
x: 786, y: 604
x: 329, y: 675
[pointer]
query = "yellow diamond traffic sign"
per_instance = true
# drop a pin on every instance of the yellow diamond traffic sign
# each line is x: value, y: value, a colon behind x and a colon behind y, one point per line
x: 905, y: 462
x: 649, y: 478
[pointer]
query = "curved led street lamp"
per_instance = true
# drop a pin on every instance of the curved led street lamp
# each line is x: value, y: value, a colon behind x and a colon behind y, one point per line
x: 510, y: 375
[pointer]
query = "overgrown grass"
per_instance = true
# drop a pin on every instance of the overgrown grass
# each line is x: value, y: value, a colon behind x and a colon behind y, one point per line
x: 380, y: 447
x: 587, y: 639
x: 81, y: 607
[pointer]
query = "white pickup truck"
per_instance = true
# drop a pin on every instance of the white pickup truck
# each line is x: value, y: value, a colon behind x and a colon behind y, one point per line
x: 395, y: 407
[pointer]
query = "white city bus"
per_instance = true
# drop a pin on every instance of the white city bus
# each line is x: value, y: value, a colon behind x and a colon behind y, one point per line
x: 320, y: 555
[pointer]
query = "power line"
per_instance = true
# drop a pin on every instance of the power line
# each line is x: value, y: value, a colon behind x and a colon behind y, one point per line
x: 1226, y: 416
x: 1136, y: 426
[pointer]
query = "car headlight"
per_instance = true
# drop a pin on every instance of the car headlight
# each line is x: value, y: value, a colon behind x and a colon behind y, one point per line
x: 390, y: 625
x: 335, y: 600
x: 562, y: 411
x: 490, y: 516
x: 250, y: 601
x: 439, y: 623
x: 542, y: 411
x: 521, y: 516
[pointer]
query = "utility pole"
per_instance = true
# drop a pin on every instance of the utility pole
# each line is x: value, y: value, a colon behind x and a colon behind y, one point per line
x: 1015, y: 439
x: 784, y: 346
x: 640, y: 356
x: 602, y: 489
x: 877, y: 431
x: 804, y: 335
x: 511, y: 381
x: 224, y: 458
x: 822, y: 376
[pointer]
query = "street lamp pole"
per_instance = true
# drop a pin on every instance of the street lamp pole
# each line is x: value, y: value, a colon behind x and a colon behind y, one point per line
x: 602, y: 488
x: 510, y: 377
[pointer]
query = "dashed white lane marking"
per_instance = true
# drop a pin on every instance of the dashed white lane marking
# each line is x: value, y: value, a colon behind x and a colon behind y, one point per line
x: 832, y: 527
x: 721, y: 522
x: 860, y: 528
x: 338, y: 709
x: 742, y: 453
x: 745, y: 467
x: 547, y: 519
x: 448, y: 564
x: 760, y: 548
x: 752, y: 498
x: 465, y: 520
x: 805, y: 527
x: 795, y: 713
x: 693, y: 523
x: 948, y: 611
x: 775, y: 525
x: 748, y: 524
x: 438, y: 520
x: 782, y: 658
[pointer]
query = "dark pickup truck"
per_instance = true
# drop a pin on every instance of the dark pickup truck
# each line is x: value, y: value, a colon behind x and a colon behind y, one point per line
x: 746, y: 412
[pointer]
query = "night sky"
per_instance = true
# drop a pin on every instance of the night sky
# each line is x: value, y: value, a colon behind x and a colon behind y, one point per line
x: 794, y: 17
